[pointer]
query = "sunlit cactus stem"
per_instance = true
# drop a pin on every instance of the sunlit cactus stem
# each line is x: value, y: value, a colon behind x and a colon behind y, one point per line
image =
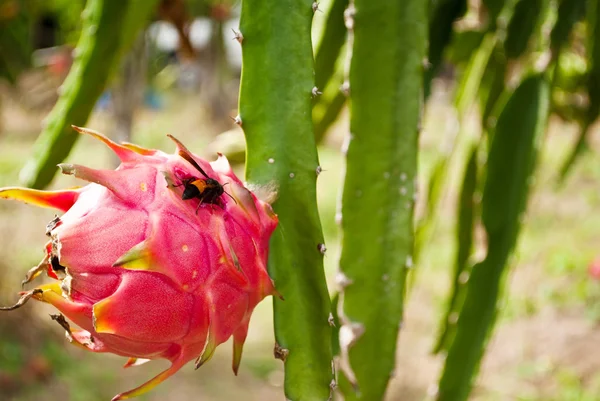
x: 275, y: 113
x: 388, y: 44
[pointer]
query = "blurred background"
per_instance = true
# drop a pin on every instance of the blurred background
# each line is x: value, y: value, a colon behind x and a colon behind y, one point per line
x: 181, y: 76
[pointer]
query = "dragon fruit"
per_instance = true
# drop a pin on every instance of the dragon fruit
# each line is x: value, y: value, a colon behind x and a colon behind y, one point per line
x: 147, y: 272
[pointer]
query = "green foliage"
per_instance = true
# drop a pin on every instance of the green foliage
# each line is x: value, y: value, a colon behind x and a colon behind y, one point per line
x: 378, y: 197
x: 329, y: 62
x: 494, y: 8
x: 107, y: 30
x: 15, y: 38
x: 465, y: 97
x: 276, y: 117
x: 68, y: 12
x: 511, y: 160
x: 569, y: 12
x: 465, y: 228
x: 442, y: 16
x: 526, y: 16
x: 330, y: 45
x: 593, y: 85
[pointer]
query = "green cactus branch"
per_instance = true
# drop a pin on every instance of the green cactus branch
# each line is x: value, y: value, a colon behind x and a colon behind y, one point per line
x: 593, y: 87
x: 526, y: 16
x: 511, y: 161
x: 327, y: 109
x: 275, y: 113
x: 329, y: 66
x: 388, y: 37
x: 109, y: 27
x: 331, y: 43
x: 442, y: 17
x: 465, y: 97
x: 465, y: 228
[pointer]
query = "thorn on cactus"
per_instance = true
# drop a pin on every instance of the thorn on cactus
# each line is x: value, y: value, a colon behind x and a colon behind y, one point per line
x: 237, y: 120
x: 349, y: 17
x: 315, y: 7
x: 280, y: 353
x: 322, y: 248
x: 125, y: 233
x: 342, y: 280
x: 237, y: 35
x: 316, y: 92
x: 345, y: 88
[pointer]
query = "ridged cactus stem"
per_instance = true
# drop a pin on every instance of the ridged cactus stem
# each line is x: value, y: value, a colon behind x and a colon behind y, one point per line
x: 109, y: 27
x: 275, y: 113
x: 388, y: 44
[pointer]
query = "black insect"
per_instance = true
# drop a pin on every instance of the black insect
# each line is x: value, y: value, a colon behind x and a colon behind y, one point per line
x: 207, y: 189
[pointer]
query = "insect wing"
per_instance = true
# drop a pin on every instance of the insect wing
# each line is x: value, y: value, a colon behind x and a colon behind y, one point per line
x: 185, y: 153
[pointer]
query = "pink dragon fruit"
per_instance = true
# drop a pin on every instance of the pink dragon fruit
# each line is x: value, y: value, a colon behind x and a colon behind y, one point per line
x: 146, y: 274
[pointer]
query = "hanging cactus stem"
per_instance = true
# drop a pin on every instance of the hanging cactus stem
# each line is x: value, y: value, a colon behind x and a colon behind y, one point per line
x: 521, y: 125
x: 276, y: 112
x: 378, y: 196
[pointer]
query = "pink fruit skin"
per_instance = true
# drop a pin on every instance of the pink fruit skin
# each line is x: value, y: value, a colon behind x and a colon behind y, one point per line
x: 141, y: 273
